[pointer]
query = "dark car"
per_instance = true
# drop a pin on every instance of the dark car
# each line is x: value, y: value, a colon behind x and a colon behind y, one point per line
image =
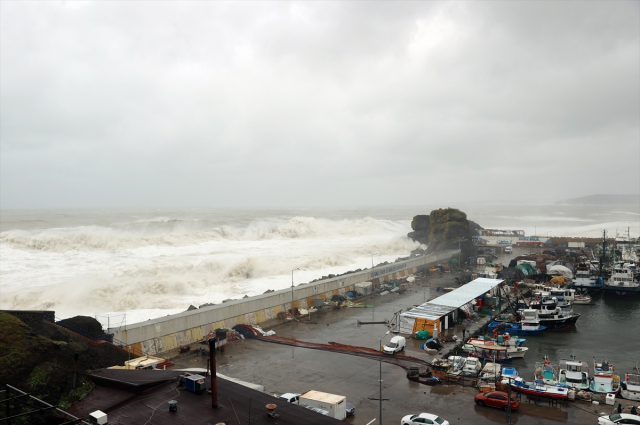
x: 496, y: 399
x: 350, y: 409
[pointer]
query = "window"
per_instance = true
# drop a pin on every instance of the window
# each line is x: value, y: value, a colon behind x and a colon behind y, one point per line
x: 392, y: 345
x: 439, y: 420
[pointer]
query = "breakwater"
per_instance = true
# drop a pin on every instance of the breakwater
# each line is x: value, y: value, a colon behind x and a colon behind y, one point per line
x: 166, y: 335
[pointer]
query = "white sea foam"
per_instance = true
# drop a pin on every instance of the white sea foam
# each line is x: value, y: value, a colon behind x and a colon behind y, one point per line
x: 151, y: 264
x: 93, y: 269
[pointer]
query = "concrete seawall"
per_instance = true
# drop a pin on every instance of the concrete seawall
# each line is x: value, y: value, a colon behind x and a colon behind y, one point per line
x: 165, y: 335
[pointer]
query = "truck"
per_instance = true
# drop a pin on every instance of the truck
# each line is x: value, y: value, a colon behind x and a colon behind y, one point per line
x: 335, y: 405
x: 576, y: 244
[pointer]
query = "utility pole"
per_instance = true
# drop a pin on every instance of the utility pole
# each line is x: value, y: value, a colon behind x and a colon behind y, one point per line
x: 509, y: 403
x: 373, y: 289
x: 380, y: 348
x: 292, y: 312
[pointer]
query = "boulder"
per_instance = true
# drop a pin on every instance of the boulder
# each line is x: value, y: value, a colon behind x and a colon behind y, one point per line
x: 86, y: 323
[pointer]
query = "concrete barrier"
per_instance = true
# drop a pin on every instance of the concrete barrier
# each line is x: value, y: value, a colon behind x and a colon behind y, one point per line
x: 165, y: 335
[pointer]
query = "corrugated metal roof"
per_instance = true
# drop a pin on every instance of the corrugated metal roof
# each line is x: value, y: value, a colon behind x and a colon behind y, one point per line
x: 464, y: 294
x: 455, y: 299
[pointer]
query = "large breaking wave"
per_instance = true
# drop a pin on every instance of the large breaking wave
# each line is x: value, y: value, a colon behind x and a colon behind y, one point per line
x: 165, y: 264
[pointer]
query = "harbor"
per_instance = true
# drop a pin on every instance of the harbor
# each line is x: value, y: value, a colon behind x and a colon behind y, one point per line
x: 430, y: 332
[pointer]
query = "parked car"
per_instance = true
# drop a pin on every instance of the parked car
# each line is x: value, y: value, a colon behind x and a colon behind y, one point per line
x: 423, y: 418
x: 351, y: 410
x: 508, y: 250
x: 396, y: 345
x: 290, y: 398
x: 619, y: 418
x: 496, y: 399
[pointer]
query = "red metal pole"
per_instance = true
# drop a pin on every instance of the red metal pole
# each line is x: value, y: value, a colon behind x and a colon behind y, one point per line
x: 214, y: 379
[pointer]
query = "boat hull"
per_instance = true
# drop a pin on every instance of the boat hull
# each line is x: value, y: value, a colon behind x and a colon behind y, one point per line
x: 559, y: 323
x: 630, y: 395
x: 549, y: 391
x: 622, y: 293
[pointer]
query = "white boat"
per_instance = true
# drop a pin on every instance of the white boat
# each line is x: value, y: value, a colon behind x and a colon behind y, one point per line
x: 627, y: 248
x: 622, y: 284
x: 513, y: 350
x: 584, y: 299
x: 574, y: 373
x: 472, y: 366
x: 604, y: 380
x: 631, y: 385
x: 457, y: 367
x: 491, y: 372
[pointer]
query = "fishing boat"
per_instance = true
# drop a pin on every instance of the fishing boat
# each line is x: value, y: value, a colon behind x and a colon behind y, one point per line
x: 455, y: 371
x: 585, y: 280
x: 509, y: 373
x: 491, y: 372
x: 631, y: 385
x: 539, y: 388
x: 622, y: 284
x: 514, y: 349
x: 604, y: 380
x: 530, y: 325
x: 574, y: 373
x: 546, y: 372
x: 551, y: 313
x: 472, y: 366
x: 583, y: 298
x: 491, y: 352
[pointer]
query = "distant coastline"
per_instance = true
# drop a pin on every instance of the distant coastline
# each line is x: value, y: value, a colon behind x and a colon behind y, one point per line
x: 602, y: 200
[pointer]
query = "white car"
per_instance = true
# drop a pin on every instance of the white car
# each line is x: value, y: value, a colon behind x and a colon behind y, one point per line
x: 423, y: 418
x: 290, y: 398
x: 619, y: 418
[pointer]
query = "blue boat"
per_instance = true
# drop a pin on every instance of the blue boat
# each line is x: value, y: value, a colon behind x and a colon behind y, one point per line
x: 514, y: 328
x: 509, y: 372
x: 530, y: 325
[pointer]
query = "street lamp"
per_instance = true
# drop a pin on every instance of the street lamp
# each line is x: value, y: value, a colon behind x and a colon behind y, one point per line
x: 292, y: 313
x: 387, y: 333
x: 373, y: 310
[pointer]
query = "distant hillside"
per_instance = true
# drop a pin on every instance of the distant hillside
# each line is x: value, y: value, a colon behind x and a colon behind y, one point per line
x: 603, y: 200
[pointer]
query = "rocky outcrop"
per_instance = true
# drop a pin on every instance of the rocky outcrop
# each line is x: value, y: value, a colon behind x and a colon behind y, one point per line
x: 442, y: 229
x: 420, y: 226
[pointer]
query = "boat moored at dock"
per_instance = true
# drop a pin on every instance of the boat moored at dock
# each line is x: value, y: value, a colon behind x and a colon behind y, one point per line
x: 574, y: 373
x: 631, y: 385
x: 604, y: 380
x: 539, y: 388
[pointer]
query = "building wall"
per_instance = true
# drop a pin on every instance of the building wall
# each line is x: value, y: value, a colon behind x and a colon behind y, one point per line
x: 167, y: 334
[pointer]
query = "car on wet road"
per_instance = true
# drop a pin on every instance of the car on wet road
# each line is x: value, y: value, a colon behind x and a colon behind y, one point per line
x: 423, y: 418
x: 496, y: 399
x: 619, y: 418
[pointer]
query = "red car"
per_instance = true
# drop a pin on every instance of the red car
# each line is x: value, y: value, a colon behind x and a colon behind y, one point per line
x: 496, y: 399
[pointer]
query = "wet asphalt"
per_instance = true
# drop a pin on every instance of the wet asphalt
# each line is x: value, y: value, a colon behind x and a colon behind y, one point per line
x: 283, y: 369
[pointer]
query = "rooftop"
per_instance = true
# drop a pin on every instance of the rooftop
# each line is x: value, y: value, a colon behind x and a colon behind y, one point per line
x: 137, y: 396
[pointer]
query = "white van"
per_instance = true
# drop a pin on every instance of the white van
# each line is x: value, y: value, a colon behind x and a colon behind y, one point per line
x: 396, y: 345
x: 508, y: 250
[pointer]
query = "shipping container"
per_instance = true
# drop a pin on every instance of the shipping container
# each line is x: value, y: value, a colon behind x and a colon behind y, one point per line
x: 336, y: 405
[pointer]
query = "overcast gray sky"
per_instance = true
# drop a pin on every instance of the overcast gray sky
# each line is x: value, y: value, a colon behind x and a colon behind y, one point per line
x: 151, y: 104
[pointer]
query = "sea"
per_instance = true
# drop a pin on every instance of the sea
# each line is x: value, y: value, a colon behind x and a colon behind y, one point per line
x: 127, y: 266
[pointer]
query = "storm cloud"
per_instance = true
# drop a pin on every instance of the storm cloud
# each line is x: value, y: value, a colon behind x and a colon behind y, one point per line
x: 129, y: 104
